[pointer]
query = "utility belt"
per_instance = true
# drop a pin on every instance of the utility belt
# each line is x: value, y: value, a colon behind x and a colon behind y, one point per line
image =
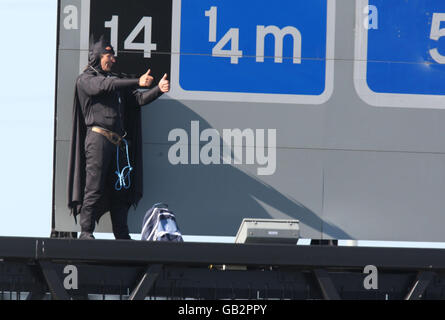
x: 113, y: 137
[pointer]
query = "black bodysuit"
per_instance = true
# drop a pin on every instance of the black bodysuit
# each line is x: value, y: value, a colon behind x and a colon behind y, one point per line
x: 107, y: 101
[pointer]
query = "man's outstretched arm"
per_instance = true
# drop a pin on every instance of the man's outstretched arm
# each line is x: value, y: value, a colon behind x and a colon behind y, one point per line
x: 143, y: 98
x: 95, y: 85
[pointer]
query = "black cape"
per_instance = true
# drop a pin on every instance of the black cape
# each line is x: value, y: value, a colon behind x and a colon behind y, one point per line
x: 76, y: 166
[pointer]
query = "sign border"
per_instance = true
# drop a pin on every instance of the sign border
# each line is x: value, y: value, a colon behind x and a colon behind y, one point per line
x: 371, y: 97
x: 177, y: 92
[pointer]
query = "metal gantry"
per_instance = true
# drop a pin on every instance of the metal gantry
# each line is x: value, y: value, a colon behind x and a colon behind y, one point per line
x: 136, y: 270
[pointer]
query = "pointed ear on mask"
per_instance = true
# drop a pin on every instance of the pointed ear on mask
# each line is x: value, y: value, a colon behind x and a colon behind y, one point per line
x: 94, y: 42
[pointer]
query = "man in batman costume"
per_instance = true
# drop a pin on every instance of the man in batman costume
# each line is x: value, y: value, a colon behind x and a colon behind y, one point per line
x: 106, y: 110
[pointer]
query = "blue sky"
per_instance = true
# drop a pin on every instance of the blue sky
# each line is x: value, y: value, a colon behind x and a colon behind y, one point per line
x: 27, y: 86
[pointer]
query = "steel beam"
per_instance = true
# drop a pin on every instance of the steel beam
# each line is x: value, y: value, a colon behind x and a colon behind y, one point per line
x: 53, y: 281
x: 423, y: 279
x: 192, y: 253
x: 146, y: 283
x: 326, y: 285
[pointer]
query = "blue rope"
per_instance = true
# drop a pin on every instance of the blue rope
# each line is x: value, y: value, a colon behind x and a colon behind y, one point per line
x: 123, y: 175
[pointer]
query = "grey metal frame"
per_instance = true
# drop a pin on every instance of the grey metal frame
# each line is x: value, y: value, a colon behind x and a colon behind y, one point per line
x: 136, y: 270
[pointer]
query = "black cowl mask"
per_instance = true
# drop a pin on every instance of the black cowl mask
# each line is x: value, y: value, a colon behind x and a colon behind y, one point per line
x: 96, y: 51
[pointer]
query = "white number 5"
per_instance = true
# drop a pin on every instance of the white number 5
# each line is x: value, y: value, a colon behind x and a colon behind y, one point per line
x: 436, y: 34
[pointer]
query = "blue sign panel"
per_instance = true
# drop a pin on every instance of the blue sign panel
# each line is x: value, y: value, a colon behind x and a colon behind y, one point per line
x: 254, y: 46
x: 406, y: 49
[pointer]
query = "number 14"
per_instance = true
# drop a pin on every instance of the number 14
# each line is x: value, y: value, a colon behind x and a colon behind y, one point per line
x: 145, y: 24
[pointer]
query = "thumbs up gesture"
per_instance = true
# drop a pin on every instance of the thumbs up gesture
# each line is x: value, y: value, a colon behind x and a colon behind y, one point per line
x: 164, y: 84
x: 146, y: 79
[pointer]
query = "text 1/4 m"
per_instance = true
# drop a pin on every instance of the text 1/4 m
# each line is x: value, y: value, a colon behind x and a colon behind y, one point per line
x: 233, y: 36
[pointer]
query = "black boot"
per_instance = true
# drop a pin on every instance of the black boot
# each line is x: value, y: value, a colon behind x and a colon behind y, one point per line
x: 86, y: 236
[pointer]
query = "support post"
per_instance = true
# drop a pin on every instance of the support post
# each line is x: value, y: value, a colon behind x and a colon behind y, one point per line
x: 53, y: 281
x: 423, y: 279
x: 326, y: 285
x: 146, y: 283
x: 38, y: 290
